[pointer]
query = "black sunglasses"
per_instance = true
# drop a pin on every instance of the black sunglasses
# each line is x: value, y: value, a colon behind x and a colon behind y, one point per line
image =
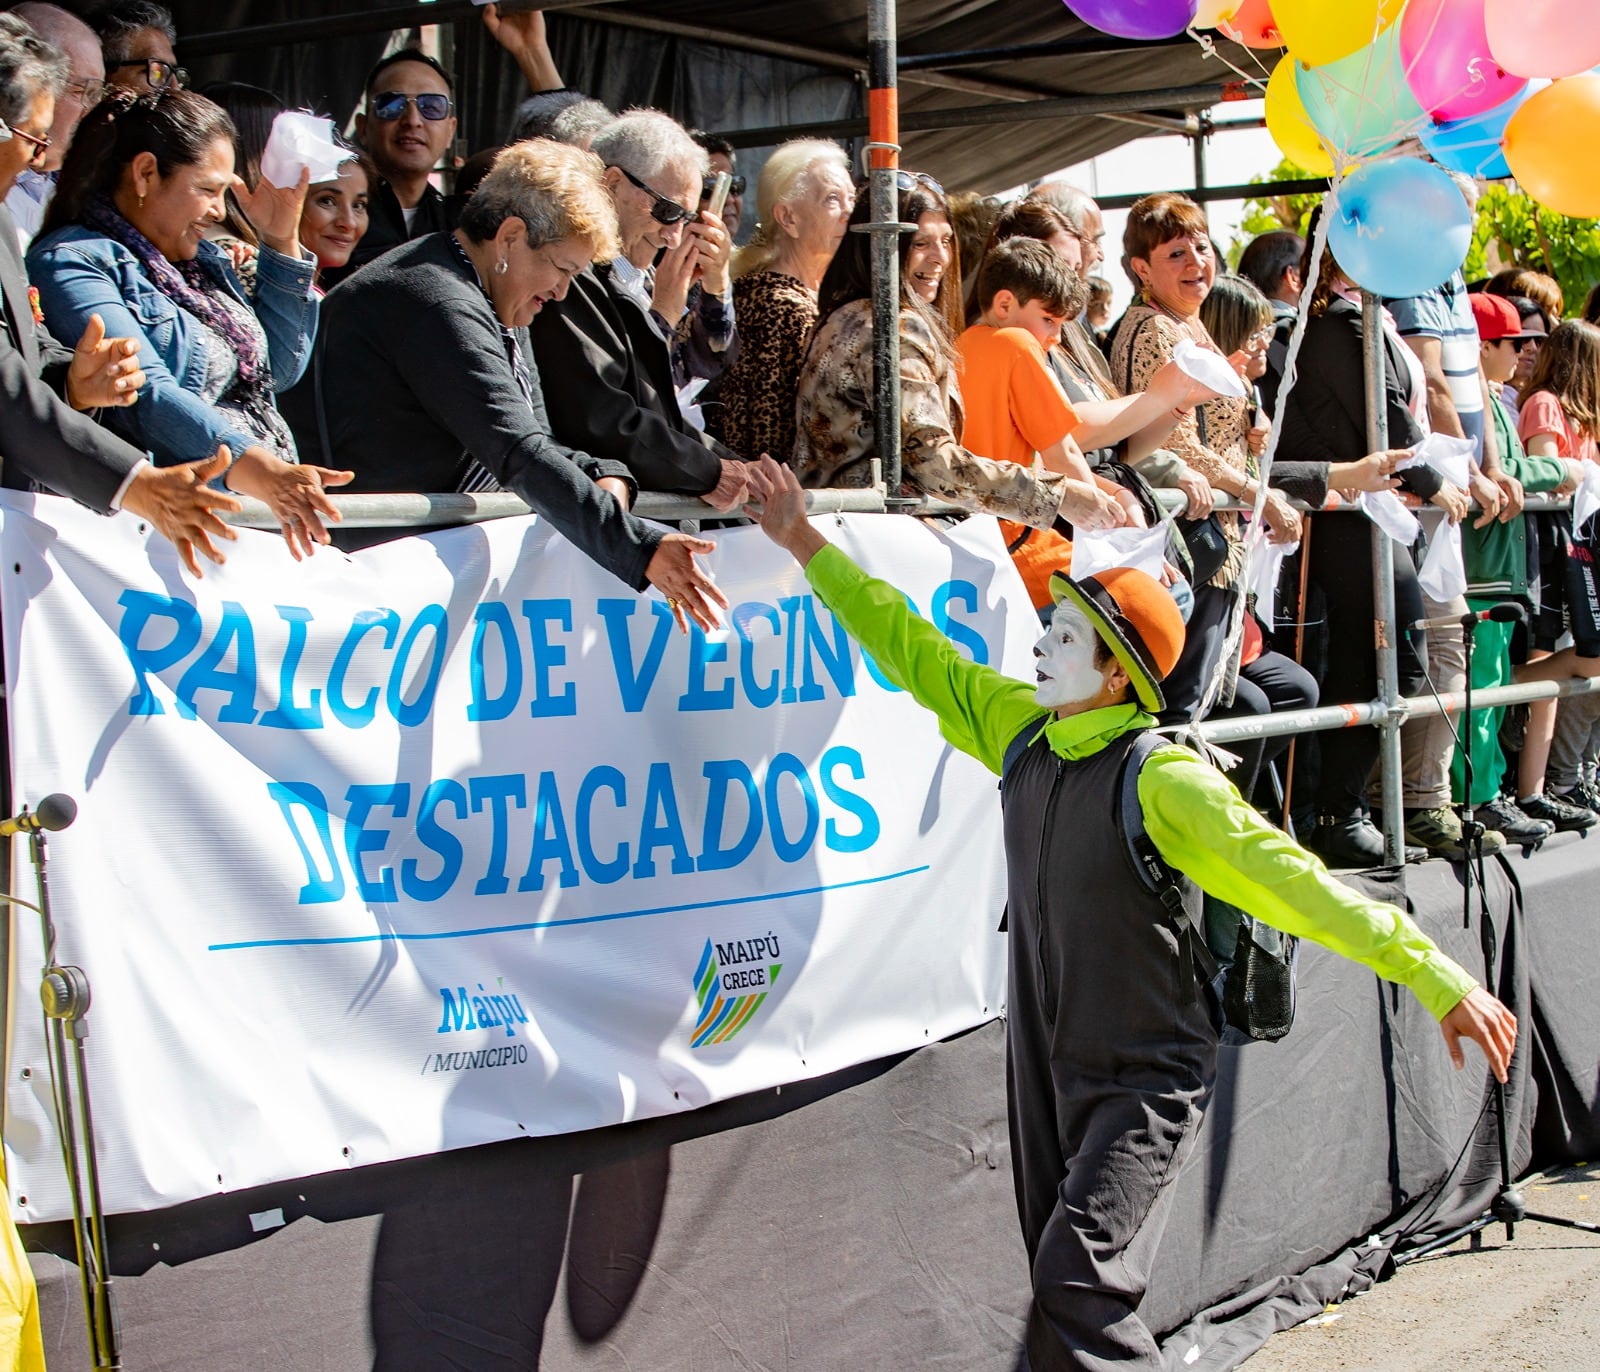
x: 391, y: 105
x: 909, y: 181
x: 160, y: 75
x: 735, y: 186
x: 662, y: 210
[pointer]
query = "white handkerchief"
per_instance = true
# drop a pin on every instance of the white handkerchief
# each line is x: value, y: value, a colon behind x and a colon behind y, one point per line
x: 298, y: 141
x: 1385, y: 509
x: 1450, y: 457
x: 1443, y: 574
x: 1262, y: 567
x: 1586, y: 500
x: 1209, y: 368
x: 689, y: 402
x: 1098, y: 551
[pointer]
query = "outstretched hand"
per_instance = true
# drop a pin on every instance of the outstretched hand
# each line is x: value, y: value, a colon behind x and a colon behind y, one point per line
x: 782, y: 515
x: 105, y: 371
x: 1483, y: 1019
x: 183, y: 507
x: 690, y: 591
x: 274, y: 212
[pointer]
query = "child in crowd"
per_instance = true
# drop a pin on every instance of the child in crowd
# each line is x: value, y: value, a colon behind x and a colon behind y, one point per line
x: 1496, y: 556
x: 1014, y: 406
x: 1560, y: 417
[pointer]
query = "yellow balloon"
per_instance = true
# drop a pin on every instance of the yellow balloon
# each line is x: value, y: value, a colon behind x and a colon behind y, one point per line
x: 1322, y: 31
x: 1288, y: 125
x: 1210, y: 13
x: 1544, y: 145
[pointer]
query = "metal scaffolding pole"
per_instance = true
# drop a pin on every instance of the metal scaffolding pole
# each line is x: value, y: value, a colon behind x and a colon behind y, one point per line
x: 1384, y: 629
x: 883, y: 159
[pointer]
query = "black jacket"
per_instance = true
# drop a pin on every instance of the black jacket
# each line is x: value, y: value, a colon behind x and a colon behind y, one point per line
x: 42, y: 438
x: 416, y: 384
x: 608, y: 383
x: 1325, y: 414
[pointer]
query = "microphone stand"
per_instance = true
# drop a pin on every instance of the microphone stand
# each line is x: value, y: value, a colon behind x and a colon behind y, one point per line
x: 1509, y: 1206
x: 64, y: 995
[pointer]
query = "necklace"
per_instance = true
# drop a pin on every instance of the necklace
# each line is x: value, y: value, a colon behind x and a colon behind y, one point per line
x: 1186, y: 323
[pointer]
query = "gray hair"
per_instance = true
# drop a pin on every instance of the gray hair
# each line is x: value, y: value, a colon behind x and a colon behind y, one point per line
x: 116, y: 23
x: 54, y: 24
x: 564, y: 116
x: 1071, y: 201
x: 649, y: 144
x: 553, y: 188
x: 29, y: 68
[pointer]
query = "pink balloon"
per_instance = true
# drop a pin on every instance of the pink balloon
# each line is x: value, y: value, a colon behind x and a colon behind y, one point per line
x: 1543, y: 37
x: 1444, y: 50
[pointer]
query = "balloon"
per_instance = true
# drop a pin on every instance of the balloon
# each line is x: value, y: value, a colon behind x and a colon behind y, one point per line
x: 1399, y: 227
x: 1209, y: 13
x: 1543, y: 37
x: 1361, y: 104
x: 1472, y: 145
x: 1547, y: 146
x: 1253, y: 25
x: 1288, y: 125
x: 1319, y: 32
x: 1135, y: 18
x: 1447, y: 61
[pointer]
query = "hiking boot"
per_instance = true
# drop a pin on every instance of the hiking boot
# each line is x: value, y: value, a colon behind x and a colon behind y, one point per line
x: 1568, y: 819
x: 1439, y: 831
x: 1503, y: 816
x: 1585, y: 795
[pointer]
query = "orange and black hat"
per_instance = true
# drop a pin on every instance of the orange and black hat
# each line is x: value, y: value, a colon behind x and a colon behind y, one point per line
x: 1138, y: 619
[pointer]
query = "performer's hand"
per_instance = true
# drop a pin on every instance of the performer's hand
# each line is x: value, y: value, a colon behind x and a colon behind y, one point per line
x: 1481, y: 1018
x: 783, y: 514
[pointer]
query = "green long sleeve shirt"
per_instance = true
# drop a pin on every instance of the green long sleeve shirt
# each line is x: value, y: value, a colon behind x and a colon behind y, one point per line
x: 1195, y: 817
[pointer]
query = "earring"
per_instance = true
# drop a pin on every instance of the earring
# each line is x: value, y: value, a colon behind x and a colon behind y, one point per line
x: 500, y: 267
x: 141, y: 201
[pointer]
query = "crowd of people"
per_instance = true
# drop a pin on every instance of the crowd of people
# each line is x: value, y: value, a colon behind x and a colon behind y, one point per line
x: 574, y: 322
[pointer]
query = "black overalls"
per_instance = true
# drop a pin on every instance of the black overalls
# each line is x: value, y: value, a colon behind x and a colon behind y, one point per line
x: 1110, y: 1056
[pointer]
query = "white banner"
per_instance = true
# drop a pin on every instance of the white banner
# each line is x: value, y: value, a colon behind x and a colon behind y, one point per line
x: 458, y: 839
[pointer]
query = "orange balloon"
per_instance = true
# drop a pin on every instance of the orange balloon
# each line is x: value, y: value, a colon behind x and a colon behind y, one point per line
x: 1253, y: 25
x: 1545, y: 146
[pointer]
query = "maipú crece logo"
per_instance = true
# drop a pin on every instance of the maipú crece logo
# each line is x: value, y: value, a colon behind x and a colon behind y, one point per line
x: 729, y: 985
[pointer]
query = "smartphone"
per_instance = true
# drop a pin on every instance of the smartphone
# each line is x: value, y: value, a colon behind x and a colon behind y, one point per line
x: 719, y: 194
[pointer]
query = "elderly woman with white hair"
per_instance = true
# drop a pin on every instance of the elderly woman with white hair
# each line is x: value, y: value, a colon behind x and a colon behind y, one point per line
x: 604, y: 353
x: 804, y: 201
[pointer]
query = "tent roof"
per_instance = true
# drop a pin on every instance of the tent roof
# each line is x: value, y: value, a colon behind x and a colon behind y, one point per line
x: 954, y: 54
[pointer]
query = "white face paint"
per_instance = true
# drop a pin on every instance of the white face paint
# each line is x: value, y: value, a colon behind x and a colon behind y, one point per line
x: 1067, y: 674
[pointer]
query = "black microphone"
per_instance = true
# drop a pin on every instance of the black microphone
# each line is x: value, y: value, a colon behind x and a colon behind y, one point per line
x: 1507, y: 612
x: 54, y: 813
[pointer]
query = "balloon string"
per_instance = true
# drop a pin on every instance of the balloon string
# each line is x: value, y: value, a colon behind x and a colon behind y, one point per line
x: 1208, y: 45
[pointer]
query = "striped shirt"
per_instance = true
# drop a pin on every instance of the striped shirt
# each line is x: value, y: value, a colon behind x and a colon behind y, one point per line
x: 1445, y: 314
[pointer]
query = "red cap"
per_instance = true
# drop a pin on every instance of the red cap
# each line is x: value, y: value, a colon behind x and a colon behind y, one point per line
x: 1496, y: 317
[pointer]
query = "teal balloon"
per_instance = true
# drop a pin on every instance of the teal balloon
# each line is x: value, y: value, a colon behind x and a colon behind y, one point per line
x: 1399, y: 227
x: 1361, y: 104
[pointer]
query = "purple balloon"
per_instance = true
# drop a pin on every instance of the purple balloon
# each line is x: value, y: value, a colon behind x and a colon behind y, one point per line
x: 1444, y: 46
x: 1136, y: 18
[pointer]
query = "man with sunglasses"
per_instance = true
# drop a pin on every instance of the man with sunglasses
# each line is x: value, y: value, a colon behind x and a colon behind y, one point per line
x: 408, y: 128
x: 86, y: 80
x: 136, y: 38
x: 605, y: 351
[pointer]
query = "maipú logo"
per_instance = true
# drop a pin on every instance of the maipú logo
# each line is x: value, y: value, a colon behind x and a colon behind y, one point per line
x: 485, y: 1010
x: 729, y: 985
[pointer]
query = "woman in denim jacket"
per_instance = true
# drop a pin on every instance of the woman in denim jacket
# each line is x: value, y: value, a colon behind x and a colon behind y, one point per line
x: 125, y: 239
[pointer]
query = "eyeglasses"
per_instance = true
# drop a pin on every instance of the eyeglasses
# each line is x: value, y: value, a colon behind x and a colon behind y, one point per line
x: 392, y: 105
x: 160, y: 75
x: 662, y: 210
x: 567, y: 274
x: 735, y: 186
x: 1260, y: 338
x: 1533, y: 342
x: 39, y: 145
x: 87, y: 93
x: 909, y: 181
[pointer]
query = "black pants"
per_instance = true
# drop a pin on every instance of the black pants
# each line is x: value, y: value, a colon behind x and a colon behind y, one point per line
x: 1340, y: 566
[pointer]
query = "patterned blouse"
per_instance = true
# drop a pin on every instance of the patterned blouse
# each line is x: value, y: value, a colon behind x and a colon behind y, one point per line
x: 834, y: 444
x: 776, y: 315
x: 1211, y: 438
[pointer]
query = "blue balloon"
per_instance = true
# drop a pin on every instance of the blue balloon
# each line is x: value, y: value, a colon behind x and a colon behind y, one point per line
x: 1399, y: 227
x: 1473, y: 145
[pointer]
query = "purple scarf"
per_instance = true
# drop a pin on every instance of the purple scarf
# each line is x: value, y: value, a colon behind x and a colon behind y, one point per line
x: 189, y: 286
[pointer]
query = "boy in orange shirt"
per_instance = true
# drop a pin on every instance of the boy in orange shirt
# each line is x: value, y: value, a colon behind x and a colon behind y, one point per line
x: 1013, y: 406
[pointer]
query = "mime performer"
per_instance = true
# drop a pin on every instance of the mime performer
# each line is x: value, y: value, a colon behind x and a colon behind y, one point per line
x: 1111, y: 1052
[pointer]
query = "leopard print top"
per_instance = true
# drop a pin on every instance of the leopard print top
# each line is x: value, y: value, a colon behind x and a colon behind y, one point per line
x: 776, y: 314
